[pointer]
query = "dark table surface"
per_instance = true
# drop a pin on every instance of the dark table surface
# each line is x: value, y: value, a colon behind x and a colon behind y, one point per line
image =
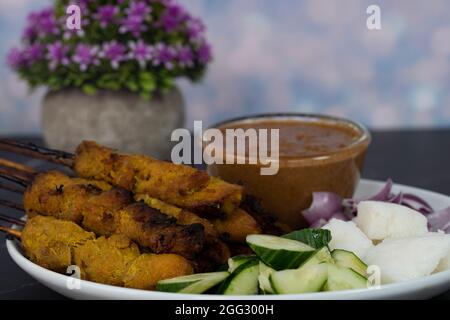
x: 414, y: 157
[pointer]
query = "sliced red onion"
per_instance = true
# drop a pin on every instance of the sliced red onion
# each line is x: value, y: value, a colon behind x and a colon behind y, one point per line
x: 384, y: 193
x: 323, y: 206
x: 416, y: 203
x: 440, y: 220
x: 397, y: 199
x: 328, y: 205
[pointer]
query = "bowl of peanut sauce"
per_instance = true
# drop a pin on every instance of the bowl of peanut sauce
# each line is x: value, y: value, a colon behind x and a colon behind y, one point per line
x: 315, y: 153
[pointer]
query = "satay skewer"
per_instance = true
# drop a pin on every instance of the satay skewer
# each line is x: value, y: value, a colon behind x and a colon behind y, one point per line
x: 34, y: 151
x: 210, y: 197
x: 11, y: 232
x: 179, y: 185
x: 235, y: 227
x: 16, y: 165
x: 140, y: 222
x: 114, y: 260
x: 9, y: 175
x: 147, y: 226
x: 10, y: 188
x: 11, y: 205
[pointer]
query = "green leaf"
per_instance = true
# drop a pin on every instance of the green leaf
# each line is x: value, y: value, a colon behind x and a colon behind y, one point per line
x: 89, y: 89
x: 147, y: 81
x: 145, y: 95
x: 316, y: 238
x: 109, y: 81
x: 132, y: 85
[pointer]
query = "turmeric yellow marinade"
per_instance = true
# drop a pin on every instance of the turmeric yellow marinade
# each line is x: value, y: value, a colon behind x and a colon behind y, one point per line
x: 92, y: 204
x: 56, y: 244
x: 179, y: 185
x: 107, y: 211
x: 158, y: 226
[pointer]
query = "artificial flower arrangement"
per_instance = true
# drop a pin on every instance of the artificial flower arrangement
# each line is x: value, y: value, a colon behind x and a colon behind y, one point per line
x: 137, y: 45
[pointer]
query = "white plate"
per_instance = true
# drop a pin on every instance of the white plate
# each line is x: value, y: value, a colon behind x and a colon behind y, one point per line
x: 423, y: 288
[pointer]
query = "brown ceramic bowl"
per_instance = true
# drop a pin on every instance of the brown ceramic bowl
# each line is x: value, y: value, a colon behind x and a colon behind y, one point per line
x: 289, y: 192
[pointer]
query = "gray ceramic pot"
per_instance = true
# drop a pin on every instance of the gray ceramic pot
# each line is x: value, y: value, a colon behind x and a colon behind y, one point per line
x: 121, y: 120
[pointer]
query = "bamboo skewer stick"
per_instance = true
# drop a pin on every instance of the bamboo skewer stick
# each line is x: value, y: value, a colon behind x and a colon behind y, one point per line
x: 10, y: 188
x: 16, y: 176
x: 30, y: 149
x: 13, y: 220
x: 10, y: 231
x: 21, y: 182
x: 11, y: 205
x: 17, y: 166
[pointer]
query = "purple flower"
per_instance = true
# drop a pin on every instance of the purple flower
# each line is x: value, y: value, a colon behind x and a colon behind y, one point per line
x: 164, y: 55
x: 83, y: 4
x: 57, y: 54
x: 29, y: 33
x: 195, y: 29
x: 185, y: 57
x: 113, y: 51
x: 106, y: 14
x: 47, y: 23
x: 15, y: 58
x: 138, y: 8
x: 173, y: 17
x: 34, y: 52
x: 85, y: 56
x: 133, y: 24
x: 141, y: 52
x: 204, y: 53
x: 40, y: 23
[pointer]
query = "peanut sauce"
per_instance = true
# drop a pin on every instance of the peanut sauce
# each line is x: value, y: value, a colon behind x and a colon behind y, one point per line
x: 317, y: 153
x: 306, y: 139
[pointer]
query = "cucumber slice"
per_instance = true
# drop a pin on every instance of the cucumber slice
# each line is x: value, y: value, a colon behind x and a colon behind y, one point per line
x: 341, y: 278
x: 305, y: 279
x: 235, y: 262
x: 195, y: 283
x: 279, y: 253
x: 320, y: 256
x: 243, y: 281
x: 347, y: 259
x: 264, y: 278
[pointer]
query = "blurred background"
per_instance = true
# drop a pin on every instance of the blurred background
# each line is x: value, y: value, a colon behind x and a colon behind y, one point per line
x: 292, y: 55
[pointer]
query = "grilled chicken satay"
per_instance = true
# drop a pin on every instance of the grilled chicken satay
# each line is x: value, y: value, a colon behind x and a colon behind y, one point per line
x: 56, y: 244
x: 64, y: 197
x: 237, y: 226
x: 179, y: 185
x: 111, y: 211
x: 234, y: 227
x: 49, y: 242
x: 175, y: 183
x: 183, y: 216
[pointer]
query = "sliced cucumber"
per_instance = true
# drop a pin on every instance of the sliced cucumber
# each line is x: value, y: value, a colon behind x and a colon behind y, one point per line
x: 341, y: 278
x: 347, y: 259
x: 196, y: 283
x: 320, y: 256
x: 305, y: 279
x: 279, y: 253
x: 316, y: 238
x: 243, y: 281
x: 235, y: 262
x: 264, y: 278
